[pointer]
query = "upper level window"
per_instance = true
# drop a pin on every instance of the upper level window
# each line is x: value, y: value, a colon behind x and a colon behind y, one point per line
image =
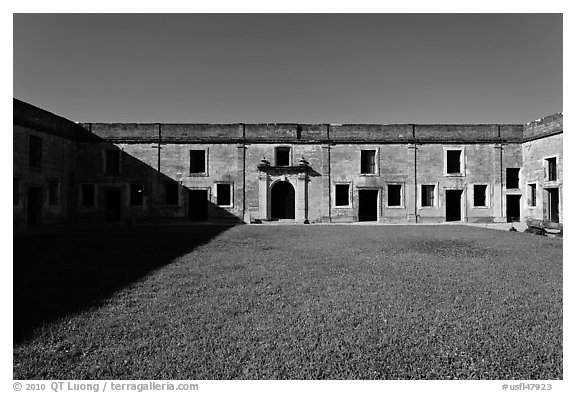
x: 112, y: 162
x: 282, y: 156
x: 512, y: 177
x: 453, y: 162
x: 35, y: 152
x: 368, y: 161
x: 532, y: 194
x: 197, y: 161
x: 136, y: 194
x: 552, y: 172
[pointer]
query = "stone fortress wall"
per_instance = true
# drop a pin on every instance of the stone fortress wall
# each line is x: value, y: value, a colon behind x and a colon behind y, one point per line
x: 298, y: 172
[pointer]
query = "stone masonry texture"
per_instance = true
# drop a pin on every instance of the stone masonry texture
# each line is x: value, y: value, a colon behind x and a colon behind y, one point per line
x: 242, y: 159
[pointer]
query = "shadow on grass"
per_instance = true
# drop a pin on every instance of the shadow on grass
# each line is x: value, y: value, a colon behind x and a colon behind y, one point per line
x: 63, y: 273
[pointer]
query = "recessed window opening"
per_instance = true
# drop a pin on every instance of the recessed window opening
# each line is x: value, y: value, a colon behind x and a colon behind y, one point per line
x: 427, y: 195
x: 532, y: 194
x: 512, y: 177
x: 112, y: 164
x: 394, y: 195
x: 368, y: 161
x: 88, y: 194
x: 53, y: 192
x: 552, y: 173
x: 197, y: 161
x: 171, y: 194
x: 223, y: 194
x: 136, y: 194
x: 282, y: 156
x: 480, y: 195
x: 453, y: 161
x: 35, y: 152
x: 342, y: 195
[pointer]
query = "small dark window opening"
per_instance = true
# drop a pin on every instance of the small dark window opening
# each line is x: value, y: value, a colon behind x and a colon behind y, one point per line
x: 282, y: 156
x: 552, y: 174
x: 480, y: 195
x: 112, y: 162
x: 53, y: 192
x: 72, y: 178
x: 88, y: 194
x: 394, y: 195
x: 512, y: 177
x: 16, y: 192
x: 136, y: 194
x: 223, y: 194
x: 172, y: 194
x: 368, y: 161
x: 532, y: 196
x: 342, y: 195
x: 197, y: 161
x: 35, y: 152
x: 453, y: 161
x: 427, y: 195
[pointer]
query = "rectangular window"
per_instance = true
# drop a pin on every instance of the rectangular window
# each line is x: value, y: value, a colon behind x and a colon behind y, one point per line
x: 35, y: 152
x: 112, y: 162
x: 342, y: 195
x: 53, y: 192
x: 88, y: 192
x: 532, y: 194
x: 16, y: 192
x: 197, y: 161
x: 512, y: 177
x: 368, y: 161
x: 136, y: 194
x: 223, y: 194
x: 282, y: 156
x: 453, y: 161
x: 480, y: 195
x: 552, y: 174
x: 394, y: 195
x: 428, y: 195
x: 171, y: 194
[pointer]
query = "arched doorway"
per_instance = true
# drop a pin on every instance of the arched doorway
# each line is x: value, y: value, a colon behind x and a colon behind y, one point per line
x: 282, y: 200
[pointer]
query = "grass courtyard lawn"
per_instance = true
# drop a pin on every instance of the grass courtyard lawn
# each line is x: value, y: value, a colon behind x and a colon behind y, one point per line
x: 301, y: 302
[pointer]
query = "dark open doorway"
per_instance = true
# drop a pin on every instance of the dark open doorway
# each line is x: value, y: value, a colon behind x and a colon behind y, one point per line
x: 34, y: 208
x: 283, y: 200
x: 553, y: 205
x: 453, y: 205
x: 367, y: 205
x: 198, y: 205
x: 113, y: 205
x: 513, y: 208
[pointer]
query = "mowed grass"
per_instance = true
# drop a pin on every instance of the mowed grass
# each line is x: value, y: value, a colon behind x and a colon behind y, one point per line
x: 323, y: 302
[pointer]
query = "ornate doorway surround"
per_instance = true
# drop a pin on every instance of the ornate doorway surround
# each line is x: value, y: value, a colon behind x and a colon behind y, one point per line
x: 297, y: 176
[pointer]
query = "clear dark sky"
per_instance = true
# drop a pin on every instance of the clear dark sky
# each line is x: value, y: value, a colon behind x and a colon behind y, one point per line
x: 323, y: 68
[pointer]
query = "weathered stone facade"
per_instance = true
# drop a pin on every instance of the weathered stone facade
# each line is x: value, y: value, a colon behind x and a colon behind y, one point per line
x: 542, y: 144
x: 303, y: 172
